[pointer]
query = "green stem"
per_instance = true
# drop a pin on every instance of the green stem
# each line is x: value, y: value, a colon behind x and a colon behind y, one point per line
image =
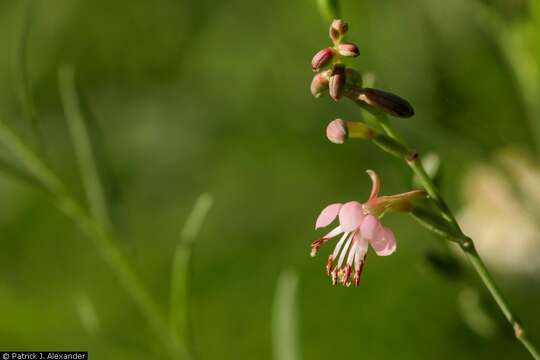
x: 475, y: 259
x: 416, y: 165
x: 465, y: 242
x: 329, y: 9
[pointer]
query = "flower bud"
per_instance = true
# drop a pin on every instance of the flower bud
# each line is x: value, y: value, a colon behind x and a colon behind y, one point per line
x: 387, y: 102
x: 319, y: 84
x: 322, y: 58
x: 339, y: 130
x: 338, y: 28
x: 336, y: 131
x: 348, y: 50
x: 337, y: 82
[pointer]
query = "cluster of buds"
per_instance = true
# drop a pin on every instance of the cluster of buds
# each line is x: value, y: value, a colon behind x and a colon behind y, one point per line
x: 339, y: 80
x: 332, y: 74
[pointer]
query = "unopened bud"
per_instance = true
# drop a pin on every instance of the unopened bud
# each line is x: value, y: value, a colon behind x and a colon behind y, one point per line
x: 319, y: 84
x: 337, y: 82
x: 339, y: 130
x: 348, y: 50
x: 338, y: 28
x: 322, y: 58
x: 336, y: 131
x: 387, y: 102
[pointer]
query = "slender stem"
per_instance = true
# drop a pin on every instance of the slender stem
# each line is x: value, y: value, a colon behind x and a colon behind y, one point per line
x: 329, y: 9
x: 416, y: 165
x: 178, y: 306
x: 487, y: 279
x: 81, y: 142
x: 465, y: 242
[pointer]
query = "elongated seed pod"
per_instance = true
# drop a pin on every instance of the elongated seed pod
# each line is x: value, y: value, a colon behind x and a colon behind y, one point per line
x: 387, y: 102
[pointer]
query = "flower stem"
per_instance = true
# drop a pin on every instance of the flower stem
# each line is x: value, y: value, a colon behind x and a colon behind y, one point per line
x: 329, y: 9
x: 466, y: 243
x: 487, y: 279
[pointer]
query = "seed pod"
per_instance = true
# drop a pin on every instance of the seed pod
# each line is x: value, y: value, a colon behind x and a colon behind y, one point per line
x: 348, y: 50
x: 338, y: 28
x: 387, y: 102
x: 337, y: 82
x: 322, y: 58
x: 319, y: 84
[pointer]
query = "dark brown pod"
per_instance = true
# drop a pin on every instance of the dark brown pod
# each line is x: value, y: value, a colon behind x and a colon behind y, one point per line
x: 387, y: 102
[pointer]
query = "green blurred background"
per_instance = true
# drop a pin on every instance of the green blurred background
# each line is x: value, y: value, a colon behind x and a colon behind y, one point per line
x: 186, y: 97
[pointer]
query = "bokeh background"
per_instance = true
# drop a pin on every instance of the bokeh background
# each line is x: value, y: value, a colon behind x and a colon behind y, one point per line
x: 189, y: 97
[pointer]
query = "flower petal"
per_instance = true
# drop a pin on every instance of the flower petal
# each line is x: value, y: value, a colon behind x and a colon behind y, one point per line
x: 351, y: 216
x: 328, y: 215
x: 371, y: 228
x: 375, y: 185
x: 386, y: 244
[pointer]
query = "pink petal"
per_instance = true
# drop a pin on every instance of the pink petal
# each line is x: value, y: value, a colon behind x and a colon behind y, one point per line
x: 386, y: 244
x: 351, y: 216
x: 371, y: 228
x: 375, y: 184
x: 328, y: 215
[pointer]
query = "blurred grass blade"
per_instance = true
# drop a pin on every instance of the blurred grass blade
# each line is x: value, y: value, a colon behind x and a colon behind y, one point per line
x: 284, y: 319
x: 24, y: 88
x: 474, y: 314
x: 180, y: 269
x: 16, y: 172
x: 31, y: 162
x: 196, y: 218
x: 519, y: 58
x: 329, y: 9
x: 87, y: 314
x: 81, y: 143
x: 108, y: 249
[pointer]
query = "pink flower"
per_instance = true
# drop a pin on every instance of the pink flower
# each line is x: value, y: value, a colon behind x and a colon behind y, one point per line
x: 359, y: 227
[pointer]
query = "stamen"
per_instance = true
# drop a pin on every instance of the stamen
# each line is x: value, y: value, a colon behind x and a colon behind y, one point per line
x: 344, y: 250
x: 346, y: 276
x: 329, y: 265
x: 358, y: 273
x: 352, y: 252
x: 316, y: 245
x: 356, y: 279
x: 334, y: 276
x: 338, y: 245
